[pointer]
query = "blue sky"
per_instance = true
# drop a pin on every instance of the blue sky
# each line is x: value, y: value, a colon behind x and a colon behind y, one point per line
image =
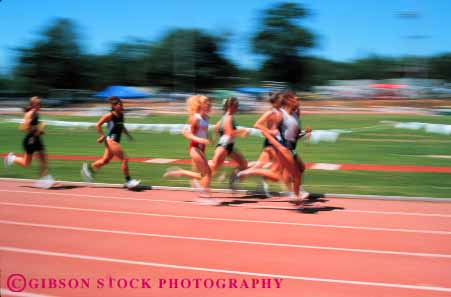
x: 346, y: 29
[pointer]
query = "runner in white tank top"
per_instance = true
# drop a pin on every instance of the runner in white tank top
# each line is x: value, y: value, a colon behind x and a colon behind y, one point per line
x: 289, y: 169
x: 198, y: 106
x: 270, y: 123
x: 199, y: 130
x: 290, y: 129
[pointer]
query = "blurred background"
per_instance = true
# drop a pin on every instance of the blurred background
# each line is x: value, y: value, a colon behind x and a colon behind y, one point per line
x: 69, y: 51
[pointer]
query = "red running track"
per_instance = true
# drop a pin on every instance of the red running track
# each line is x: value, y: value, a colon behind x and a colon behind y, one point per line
x: 334, y: 247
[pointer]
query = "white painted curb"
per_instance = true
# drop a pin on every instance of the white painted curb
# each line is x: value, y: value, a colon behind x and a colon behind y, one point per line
x: 331, y: 195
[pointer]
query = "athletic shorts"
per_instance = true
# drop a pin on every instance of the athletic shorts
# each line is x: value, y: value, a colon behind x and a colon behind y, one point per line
x: 228, y: 147
x: 115, y: 137
x: 200, y: 146
x: 291, y: 146
x: 32, y: 144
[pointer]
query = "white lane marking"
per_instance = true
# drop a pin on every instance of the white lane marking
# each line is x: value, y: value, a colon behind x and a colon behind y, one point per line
x: 95, y: 196
x: 214, y: 270
x: 396, y: 213
x: 331, y: 195
x: 160, y: 161
x: 73, y: 228
x: 237, y: 205
x: 228, y: 220
x: 325, y: 166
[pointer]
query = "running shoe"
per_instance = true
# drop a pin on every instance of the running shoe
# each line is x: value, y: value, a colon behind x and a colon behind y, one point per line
x: 195, y: 184
x: 234, y: 181
x: 86, y: 173
x: 8, y: 160
x: 133, y: 183
x: 295, y: 199
x: 303, y: 194
x: 265, y: 188
x: 45, y: 182
x: 203, y: 193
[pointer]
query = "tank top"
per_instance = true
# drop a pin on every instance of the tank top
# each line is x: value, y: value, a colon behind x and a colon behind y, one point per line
x: 290, y: 126
x: 33, y: 124
x: 116, y: 127
x: 225, y: 139
x: 202, y: 126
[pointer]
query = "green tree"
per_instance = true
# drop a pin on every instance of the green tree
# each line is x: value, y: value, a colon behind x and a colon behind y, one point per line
x: 125, y: 64
x: 440, y: 67
x: 190, y: 60
x: 372, y: 67
x: 320, y: 71
x: 4, y: 83
x: 53, y: 61
x: 375, y: 67
x: 283, y: 42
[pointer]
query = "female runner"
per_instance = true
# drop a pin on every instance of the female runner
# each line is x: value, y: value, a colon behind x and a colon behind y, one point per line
x: 268, y: 158
x: 198, y: 106
x: 33, y: 143
x: 286, y: 167
x: 227, y: 130
x: 115, y: 120
x: 291, y: 134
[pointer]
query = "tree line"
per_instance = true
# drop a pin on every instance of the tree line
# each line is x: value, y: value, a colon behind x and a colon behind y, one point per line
x: 193, y: 60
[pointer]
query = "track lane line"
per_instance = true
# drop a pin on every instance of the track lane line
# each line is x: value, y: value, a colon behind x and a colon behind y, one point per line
x: 11, y: 249
x: 238, y: 205
x: 271, y: 244
x: 188, y: 189
x: 227, y: 219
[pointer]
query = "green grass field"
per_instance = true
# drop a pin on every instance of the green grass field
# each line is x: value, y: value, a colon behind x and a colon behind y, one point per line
x: 380, y: 144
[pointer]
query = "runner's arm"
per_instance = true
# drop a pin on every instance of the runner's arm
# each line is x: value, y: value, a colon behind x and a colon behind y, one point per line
x: 99, y: 124
x: 25, y: 126
x: 129, y: 136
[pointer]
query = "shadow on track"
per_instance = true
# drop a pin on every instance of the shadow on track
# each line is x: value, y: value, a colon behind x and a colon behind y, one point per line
x: 310, y: 205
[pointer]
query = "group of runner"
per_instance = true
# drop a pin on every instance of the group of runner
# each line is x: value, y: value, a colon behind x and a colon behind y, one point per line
x: 278, y: 160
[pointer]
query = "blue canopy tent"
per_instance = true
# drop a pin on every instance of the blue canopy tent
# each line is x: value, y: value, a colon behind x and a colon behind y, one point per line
x: 254, y: 91
x: 122, y: 92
